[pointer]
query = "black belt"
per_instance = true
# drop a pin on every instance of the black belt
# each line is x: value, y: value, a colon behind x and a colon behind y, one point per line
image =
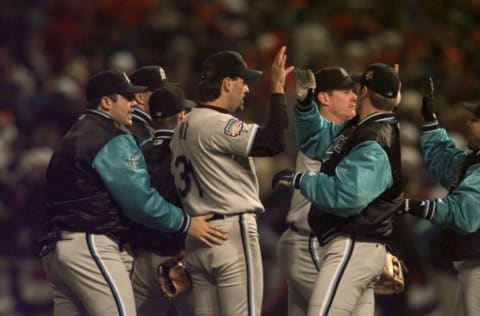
x: 217, y: 216
x: 300, y: 231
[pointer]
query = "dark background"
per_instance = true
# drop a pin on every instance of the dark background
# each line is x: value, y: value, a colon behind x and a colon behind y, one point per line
x: 49, y: 48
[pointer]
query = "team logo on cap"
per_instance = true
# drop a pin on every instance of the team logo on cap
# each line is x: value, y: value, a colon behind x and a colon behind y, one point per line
x: 163, y: 76
x: 343, y: 72
x: 126, y: 77
x: 233, y: 128
x: 369, y: 75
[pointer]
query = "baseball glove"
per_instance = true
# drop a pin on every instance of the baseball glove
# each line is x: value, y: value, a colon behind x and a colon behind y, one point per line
x: 392, y: 280
x: 173, y: 277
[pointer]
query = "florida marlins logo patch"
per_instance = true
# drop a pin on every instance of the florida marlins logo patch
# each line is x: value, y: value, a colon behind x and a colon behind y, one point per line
x: 336, y: 146
x: 233, y: 128
x: 133, y: 161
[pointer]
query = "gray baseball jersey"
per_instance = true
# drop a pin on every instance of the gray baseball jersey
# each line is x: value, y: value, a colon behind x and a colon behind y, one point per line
x: 214, y: 173
x: 212, y: 169
x: 299, y: 248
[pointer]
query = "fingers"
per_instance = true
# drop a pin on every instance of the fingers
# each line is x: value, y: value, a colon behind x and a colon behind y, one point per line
x: 281, y: 57
x: 289, y: 70
x: 218, y: 233
x: 214, y: 236
x: 311, y: 76
x: 206, y: 217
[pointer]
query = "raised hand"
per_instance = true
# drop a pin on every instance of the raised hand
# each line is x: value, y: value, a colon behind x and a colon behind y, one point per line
x: 279, y: 72
x: 305, y: 86
x: 428, y: 101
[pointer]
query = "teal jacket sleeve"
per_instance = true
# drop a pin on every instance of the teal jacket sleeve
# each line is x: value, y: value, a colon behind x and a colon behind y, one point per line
x: 460, y: 209
x: 362, y: 176
x: 441, y: 157
x: 123, y: 170
x: 313, y: 133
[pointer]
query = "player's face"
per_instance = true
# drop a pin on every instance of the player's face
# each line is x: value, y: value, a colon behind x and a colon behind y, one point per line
x: 122, y: 109
x: 238, y: 94
x: 473, y: 126
x: 342, y: 105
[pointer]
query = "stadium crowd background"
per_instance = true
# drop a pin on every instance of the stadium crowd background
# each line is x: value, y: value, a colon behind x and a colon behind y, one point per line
x: 48, y: 49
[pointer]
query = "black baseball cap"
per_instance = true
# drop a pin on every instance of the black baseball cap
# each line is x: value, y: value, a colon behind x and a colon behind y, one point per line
x: 473, y: 107
x: 166, y: 101
x: 227, y: 64
x: 110, y: 82
x: 333, y: 78
x: 153, y: 77
x: 381, y: 79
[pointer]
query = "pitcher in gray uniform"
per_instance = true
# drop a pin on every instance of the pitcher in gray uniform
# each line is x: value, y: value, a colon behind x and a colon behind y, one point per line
x: 298, y: 247
x: 214, y: 171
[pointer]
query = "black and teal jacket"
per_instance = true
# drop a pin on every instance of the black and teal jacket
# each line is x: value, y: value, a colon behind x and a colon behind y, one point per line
x: 458, y: 211
x: 97, y: 182
x: 358, y: 188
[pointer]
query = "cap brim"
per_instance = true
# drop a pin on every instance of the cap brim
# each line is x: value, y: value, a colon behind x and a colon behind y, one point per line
x: 134, y: 89
x: 356, y: 78
x: 251, y: 74
x: 473, y: 107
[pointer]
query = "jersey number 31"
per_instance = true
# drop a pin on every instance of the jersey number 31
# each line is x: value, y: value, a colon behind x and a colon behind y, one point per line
x: 187, y: 174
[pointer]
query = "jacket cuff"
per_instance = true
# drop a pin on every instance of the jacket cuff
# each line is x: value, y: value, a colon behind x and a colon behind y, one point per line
x: 297, y: 180
x: 186, y: 222
x: 430, y: 126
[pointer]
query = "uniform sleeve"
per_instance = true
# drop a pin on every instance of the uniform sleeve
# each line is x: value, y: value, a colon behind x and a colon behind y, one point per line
x: 231, y: 135
x: 460, y: 209
x: 362, y: 176
x: 441, y: 157
x: 123, y: 170
x: 270, y: 140
x: 313, y: 133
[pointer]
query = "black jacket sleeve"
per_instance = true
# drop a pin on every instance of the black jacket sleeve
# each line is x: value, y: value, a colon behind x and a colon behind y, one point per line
x: 270, y: 140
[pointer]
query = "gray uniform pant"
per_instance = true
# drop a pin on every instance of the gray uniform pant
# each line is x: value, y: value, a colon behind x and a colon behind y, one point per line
x: 349, y: 270
x: 228, y: 279
x: 468, y: 293
x: 298, y: 253
x: 149, y: 297
x: 89, y: 277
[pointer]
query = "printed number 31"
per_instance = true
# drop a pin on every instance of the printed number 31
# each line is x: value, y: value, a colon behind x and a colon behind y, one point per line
x: 187, y: 174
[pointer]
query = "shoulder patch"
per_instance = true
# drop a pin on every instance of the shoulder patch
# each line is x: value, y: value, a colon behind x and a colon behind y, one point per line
x: 133, y: 161
x: 233, y: 128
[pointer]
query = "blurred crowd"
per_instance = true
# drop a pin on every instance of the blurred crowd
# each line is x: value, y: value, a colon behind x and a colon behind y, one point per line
x: 49, y: 48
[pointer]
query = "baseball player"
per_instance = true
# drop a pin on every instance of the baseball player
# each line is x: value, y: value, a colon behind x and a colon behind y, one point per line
x: 152, y: 248
x: 97, y: 183
x: 298, y: 247
x: 152, y: 77
x: 213, y: 168
x: 355, y: 194
x: 458, y: 211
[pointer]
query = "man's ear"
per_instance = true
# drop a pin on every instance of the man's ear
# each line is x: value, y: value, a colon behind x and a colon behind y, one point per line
x: 181, y: 116
x: 227, y: 84
x: 139, y: 98
x: 362, y: 92
x: 105, y: 104
x: 323, y: 97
